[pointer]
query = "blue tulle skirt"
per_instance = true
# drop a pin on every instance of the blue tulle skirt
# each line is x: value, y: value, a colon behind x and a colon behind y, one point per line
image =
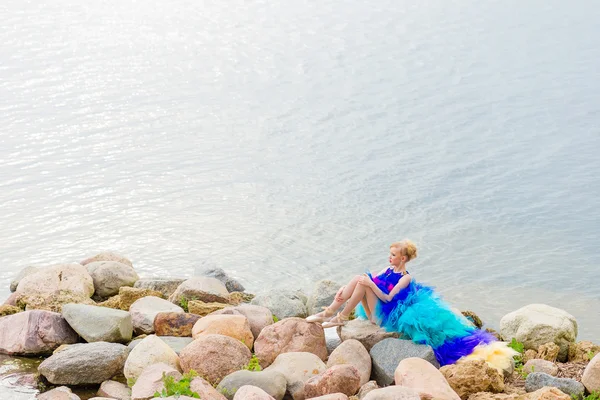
x: 419, y: 313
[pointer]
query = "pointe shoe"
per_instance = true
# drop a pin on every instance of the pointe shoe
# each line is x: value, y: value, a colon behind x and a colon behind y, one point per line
x: 322, y: 316
x: 338, y: 320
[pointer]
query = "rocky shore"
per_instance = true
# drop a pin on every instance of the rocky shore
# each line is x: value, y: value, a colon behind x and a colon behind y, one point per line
x: 98, y: 325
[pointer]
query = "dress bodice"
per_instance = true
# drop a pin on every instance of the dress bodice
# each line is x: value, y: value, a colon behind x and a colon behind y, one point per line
x: 388, y: 279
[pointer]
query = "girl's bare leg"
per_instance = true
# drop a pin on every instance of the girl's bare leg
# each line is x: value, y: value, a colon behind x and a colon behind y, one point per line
x: 338, y: 301
x: 371, y: 300
x: 357, y: 296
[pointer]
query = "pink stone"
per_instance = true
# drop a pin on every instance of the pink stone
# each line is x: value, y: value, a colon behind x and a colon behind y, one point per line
x: 34, y: 332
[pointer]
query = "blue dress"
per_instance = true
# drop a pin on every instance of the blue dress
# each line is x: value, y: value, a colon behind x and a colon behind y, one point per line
x: 419, y: 313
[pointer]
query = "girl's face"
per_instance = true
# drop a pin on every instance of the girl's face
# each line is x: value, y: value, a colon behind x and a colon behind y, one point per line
x: 395, y: 256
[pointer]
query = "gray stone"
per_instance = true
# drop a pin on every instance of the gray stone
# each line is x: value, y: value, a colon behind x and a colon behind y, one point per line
x: 272, y: 382
x: 164, y: 285
x: 174, y: 342
x: 322, y: 296
x: 282, y: 303
x: 84, y: 363
x: 99, y: 324
x: 365, y: 332
x: 109, y: 276
x: 231, y: 284
x: 144, y: 310
x: 538, y: 380
x: 389, y: 352
x: 34, y: 332
x: 22, y: 274
x: 201, y: 288
x: 332, y: 339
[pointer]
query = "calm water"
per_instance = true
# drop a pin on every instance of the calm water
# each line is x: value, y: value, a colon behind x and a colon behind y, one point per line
x: 293, y: 141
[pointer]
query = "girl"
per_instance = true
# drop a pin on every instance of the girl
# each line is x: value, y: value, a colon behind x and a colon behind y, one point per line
x: 397, y: 303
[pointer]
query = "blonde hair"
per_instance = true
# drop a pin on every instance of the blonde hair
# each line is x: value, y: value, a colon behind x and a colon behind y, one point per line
x: 407, y: 248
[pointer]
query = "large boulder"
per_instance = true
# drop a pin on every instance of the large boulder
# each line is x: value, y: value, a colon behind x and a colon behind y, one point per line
x: 343, y: 378
x: 334, y: 396
x: 99, y: 324
x: 354, y: 353
x: 538, y: 380
x: 538, y: 324
x: 235, y: 326
x: 591, y: 375
x: 151, y: 350
x: 322, y: 296
x: 114, y: 390
x: 473, y: 377
x: 174, y: 323
x: 200, y: 288
x: 423, y: 377
x: 298, y: 368
x: 545, y: 393
x: 282, y: 303
x: 34, y: 333
x: 393, y: 393
x: 22, y: 274
x: 272, y: 382
x: 150, y: 380
x: 365, y: 332
x: 84, y: 363
x: 290, y: 335
x: 389, y: 352
x: 249, y: 392
x: 107, y: 256
x: 144, y: 310
x: 174, y: 342
x: 110, y: 276
x: 214, y: 357
x: 231, y: 284
x: 258, y: 316
x: 166, y: 286
x: 61, y: 277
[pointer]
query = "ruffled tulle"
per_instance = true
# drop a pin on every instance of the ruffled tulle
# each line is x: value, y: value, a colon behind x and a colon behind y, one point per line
x: 419, y: 313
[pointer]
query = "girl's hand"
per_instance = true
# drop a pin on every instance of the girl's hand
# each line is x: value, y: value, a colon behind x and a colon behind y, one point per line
x: 338, y: 295
x: 365, y: 281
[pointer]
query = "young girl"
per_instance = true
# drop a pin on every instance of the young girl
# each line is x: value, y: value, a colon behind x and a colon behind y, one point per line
x: 397, y: 303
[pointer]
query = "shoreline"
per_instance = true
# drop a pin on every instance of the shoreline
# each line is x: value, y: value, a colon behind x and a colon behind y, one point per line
x: 176, y: 307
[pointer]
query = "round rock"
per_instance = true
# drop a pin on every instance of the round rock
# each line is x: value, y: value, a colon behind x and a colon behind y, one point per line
x: 354, y: 353
x: 272, y: 382
x: 144, y: 310
x: 538, y: 324
x: 109, y: 276
x: 290, y: 335
x: 148, y: 351
x: 282, y: 303
x: 214, y: 357
x: 84, y: 363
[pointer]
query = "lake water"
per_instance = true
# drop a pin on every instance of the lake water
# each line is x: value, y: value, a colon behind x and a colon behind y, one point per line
x: 290, y: 142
